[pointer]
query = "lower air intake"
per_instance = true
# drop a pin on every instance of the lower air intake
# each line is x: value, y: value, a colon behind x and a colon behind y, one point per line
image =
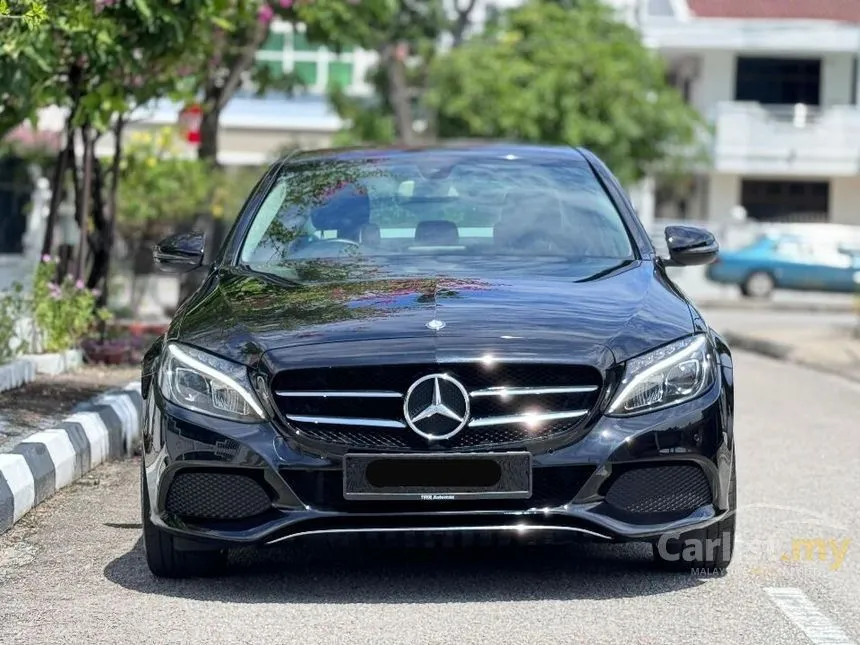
x: 216, y: 496
x: 660, y: 489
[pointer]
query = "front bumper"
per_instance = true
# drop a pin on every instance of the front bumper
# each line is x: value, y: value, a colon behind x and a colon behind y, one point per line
x: 698, y: 434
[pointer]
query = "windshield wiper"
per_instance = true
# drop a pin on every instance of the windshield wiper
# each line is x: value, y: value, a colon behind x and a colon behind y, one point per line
x: 605, y: 272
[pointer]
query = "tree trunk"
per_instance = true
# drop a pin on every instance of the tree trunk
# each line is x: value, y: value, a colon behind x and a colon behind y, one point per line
x: 64, y: 159
x: 86, y: 195
x: 399, y: 94
x: 102, y: 265
x: 66, y: 250
x: 57, y: 190
x: 208, y: 150
x: 462, y: 22
x: 98, y: 239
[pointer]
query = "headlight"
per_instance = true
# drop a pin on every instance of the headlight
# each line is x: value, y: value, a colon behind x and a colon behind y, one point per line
x: 205, y: 383
x: 670, y: 375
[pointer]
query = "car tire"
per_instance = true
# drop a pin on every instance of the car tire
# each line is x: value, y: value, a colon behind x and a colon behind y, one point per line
x: 759, y: 284
x: 162, y: 556
x: 669, y: 549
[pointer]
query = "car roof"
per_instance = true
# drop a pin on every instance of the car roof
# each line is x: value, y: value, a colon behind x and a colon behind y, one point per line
x: 483, y: 149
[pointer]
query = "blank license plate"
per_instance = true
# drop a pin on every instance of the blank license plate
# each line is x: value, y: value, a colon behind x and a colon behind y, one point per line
x: 438, y: 477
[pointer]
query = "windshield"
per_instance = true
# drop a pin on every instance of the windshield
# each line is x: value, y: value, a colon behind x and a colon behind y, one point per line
x: 504, y: 214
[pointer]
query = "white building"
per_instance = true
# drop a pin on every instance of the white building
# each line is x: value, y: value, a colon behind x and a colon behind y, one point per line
x: 777, y: 80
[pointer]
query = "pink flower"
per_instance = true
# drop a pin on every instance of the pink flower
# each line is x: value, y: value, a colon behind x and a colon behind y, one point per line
x: 265, y: 14
x: 286, y: 4
x: 47, y: 258
x: 79, y: 284
x: 96, y: 292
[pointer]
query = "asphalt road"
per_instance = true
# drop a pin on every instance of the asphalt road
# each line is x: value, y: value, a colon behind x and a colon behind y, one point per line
x: 73, y: 570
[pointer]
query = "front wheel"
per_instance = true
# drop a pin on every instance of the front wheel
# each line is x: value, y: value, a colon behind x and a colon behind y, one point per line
x: 710, y: 548
x: 759, y: 284
x: 162, y: 556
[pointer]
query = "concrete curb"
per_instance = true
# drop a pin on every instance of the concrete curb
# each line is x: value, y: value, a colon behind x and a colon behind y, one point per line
x: 16, y: 374
x: 56, y: 363
x: 98, y: 430
x: 783, y: 352
x: 769, y: 348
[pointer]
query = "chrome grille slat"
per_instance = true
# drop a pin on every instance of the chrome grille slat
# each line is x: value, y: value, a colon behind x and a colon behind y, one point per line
x: 526, y: 418
x: 533, y: 391
x: 346, y: 421
x: 358, y: 394
x: 512, y: 403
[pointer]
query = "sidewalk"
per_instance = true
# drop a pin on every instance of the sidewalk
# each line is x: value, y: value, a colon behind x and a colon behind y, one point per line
x: 709, y: 295
x: 832, y: 349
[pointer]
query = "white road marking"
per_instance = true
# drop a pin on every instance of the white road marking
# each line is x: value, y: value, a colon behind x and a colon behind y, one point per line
x: 819, y: 629
x: 62, y: 453
x: 18, y: 476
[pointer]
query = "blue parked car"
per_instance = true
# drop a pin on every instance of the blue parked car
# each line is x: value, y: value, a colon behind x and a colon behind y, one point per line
x: 790, y: 261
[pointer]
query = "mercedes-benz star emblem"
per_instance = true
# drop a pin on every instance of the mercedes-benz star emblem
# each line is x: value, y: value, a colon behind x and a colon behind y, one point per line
x: 436, y: 406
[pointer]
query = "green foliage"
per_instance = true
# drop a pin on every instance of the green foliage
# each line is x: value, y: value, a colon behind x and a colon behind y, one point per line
x: 11, y: 312
x: 159, y: 188
x: 550, y: 74
x: 63, y: 313
x: 368, y: 121
x: 30, y: 13
x: 418, y: 26
x: 101, y: 58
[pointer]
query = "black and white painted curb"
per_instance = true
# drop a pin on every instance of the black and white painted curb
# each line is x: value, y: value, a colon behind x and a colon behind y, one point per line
x: 98, y: 430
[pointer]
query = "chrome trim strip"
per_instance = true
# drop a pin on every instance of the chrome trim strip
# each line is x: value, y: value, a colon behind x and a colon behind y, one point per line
x: 358, y: 394
x: 523, y: 418
x: 519, y: 528
x: 517, y: 391
x: 347, y: 421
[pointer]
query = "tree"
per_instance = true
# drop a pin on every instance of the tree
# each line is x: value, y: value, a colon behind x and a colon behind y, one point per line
x: 236, y: 37
x: 240, y: 31
x: 99, y: 60
x: 406, y: 48
x: 548, y: 73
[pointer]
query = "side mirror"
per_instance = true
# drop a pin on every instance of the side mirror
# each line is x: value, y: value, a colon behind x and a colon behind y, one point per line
x: 180, y: 253
x: 690, y: 246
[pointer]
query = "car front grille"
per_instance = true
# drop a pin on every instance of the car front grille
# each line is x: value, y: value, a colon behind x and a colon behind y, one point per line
x: 552, y: 486
x: 511, y: 404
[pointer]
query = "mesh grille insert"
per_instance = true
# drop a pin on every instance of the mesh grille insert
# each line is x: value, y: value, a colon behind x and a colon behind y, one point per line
x: 216, y: 496
x: 660, y: 489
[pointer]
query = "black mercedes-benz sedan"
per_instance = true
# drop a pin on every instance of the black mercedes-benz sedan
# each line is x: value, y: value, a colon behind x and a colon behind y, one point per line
x: 451, y: 342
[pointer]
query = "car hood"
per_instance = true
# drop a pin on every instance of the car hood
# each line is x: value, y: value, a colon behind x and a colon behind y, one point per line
x: 591, y: 316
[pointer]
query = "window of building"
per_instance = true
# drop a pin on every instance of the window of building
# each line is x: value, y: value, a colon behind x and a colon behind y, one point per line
x: 289, y: 50
x: 786, y: 201
x: 778, y: 81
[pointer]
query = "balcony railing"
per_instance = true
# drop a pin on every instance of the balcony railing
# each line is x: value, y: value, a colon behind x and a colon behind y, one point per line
x: 798, y: 139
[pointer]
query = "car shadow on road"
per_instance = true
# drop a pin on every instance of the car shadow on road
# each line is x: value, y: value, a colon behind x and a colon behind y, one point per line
x: 323, y: 571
